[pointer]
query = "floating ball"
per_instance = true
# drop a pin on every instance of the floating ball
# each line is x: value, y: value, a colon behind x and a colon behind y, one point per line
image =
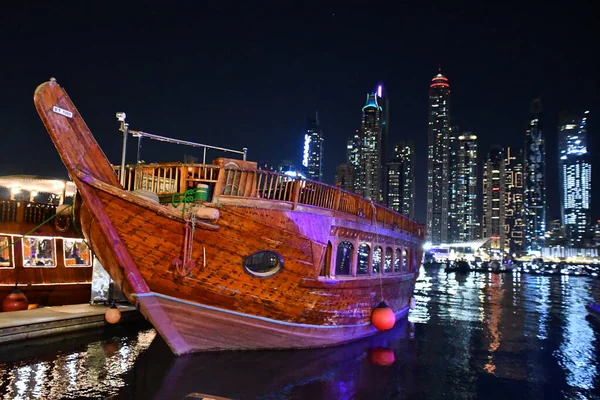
x: 383, y: 318
x: 112, y: 315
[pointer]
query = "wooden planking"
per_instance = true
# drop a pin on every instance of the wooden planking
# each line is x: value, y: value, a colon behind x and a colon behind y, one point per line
x: 155, y: 241
x: 223, y: 331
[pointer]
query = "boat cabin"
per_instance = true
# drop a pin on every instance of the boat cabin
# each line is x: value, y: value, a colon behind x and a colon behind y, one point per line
x: 40, y: 253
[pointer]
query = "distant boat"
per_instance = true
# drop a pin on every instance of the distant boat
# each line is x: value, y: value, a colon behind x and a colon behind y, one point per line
x: 594, y: 309
x: 232, y: 257
x: 41, y: 253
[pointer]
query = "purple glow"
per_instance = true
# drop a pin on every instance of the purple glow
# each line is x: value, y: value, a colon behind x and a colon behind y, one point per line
x: 380, y: 90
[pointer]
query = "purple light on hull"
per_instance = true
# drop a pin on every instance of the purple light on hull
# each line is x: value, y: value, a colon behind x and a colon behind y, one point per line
x: 380, y: 90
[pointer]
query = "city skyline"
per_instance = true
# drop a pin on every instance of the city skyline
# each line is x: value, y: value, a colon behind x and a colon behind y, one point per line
x: 192, y: 83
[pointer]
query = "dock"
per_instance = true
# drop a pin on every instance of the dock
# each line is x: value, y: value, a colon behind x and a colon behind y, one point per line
x: 47, y: 321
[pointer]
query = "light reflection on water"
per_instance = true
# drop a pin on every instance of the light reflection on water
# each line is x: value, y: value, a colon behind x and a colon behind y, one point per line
x: 479, y: 335
x: 94, y: 370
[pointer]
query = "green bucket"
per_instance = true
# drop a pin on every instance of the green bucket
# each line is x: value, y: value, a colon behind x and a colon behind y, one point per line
x: 201, y: 193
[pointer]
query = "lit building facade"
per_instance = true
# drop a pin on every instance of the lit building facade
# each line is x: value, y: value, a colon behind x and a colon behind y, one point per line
x: 369, y: 174
x: 400, y: 179
x: 494, y: 193
x: 515, y: 240
x: 344, y: 177
x: 353, y: 157
x: 534, y: 215
x: 575, y: 178
x: 439, y: 129
x: 312, y: 158
x: 453, y: 206
x: 467, y: 209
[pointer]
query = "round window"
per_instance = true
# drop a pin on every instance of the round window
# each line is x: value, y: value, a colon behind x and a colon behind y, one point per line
x: 263, y: 263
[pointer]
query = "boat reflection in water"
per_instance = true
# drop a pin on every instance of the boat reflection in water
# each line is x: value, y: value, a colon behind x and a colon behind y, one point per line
x: 362, y: 369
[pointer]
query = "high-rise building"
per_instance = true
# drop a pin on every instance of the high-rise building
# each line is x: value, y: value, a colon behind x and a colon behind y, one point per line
x: 437, y: 159
x: 514, y: 201
x: 370, y: 154
x: 400, y: 179
x: 353, y: 157
x: 467, y: 209
x: 494, y: 198
x: 453, y: 170
x: 535, y: 181
x: 312, y: 159
x: 575, y: 178
x: 344, y: 177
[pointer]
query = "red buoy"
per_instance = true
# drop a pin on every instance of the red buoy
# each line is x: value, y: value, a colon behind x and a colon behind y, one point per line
x: 112, y: 315
x: 383, y: 318
x: 15, y: 301
x: 382, y: 356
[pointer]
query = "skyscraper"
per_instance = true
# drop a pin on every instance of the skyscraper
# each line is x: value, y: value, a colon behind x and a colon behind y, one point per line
x: 514, y: 201
x: 312, y: 159
x: 400, y: 179
x: 453, y: 170
x: 494, y: 199
x: 437, y: 159
x: 575, y: 178
x: 535, y: 181
x: 353, y: 157
x: 466, y: 188
x: 370, y: 153
x: 344, y: 177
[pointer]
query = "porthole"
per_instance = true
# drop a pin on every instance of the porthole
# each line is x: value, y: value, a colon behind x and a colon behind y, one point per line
x: 263, y: 263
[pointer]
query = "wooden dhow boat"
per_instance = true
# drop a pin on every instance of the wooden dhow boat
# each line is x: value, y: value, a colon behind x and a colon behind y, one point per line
x: 42, y: 255
x: 261, y: 261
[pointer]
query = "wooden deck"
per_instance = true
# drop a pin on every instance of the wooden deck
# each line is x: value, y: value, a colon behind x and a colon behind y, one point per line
x: 47, y: 321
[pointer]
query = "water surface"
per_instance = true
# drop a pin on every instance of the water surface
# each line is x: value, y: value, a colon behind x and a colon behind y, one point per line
x: 474, y: 336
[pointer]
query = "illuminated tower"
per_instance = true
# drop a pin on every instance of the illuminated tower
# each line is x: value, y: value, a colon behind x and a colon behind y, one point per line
x: 400, y: 179
x: 437, y: 159
x: 312, y: 159
x: 535, y: 181
x: 494, y: 193
x: 370, y: 153
x: 466, y: 187
x: 514, y: 201
x: 575, y: 177
x: 353, y: 157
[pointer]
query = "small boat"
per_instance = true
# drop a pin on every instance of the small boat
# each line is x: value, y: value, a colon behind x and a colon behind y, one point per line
x: 225, y: 256
x: 594, y: 310
x: 41, y: 253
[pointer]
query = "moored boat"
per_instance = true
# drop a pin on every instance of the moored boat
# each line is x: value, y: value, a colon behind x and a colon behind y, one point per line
x: 41, y: 253
x: 225, y: 256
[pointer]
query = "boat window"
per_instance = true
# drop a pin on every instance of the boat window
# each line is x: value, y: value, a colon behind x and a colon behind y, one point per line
x: 6, y: 252
x: 39, y: 252
x: 363, y: 259
x: 376, y: 264
x: 263, y: 263
x: 387, y: 266
x: 397, y: 259
x: 343, y: 258
x: 404, y: 261
x: 77, y: 253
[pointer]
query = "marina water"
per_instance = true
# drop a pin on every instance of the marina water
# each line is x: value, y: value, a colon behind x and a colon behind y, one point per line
x: 471, y: 336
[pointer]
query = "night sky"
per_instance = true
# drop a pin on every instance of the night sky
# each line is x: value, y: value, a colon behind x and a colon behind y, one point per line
x: 250, y: 76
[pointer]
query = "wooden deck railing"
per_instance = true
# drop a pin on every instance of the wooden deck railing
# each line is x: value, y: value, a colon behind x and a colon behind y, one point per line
x: 21, y: 211
x: 171, y: 178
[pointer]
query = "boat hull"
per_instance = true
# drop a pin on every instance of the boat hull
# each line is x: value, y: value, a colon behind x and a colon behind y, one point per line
x: 218, y: 302
x: 191, y: 327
